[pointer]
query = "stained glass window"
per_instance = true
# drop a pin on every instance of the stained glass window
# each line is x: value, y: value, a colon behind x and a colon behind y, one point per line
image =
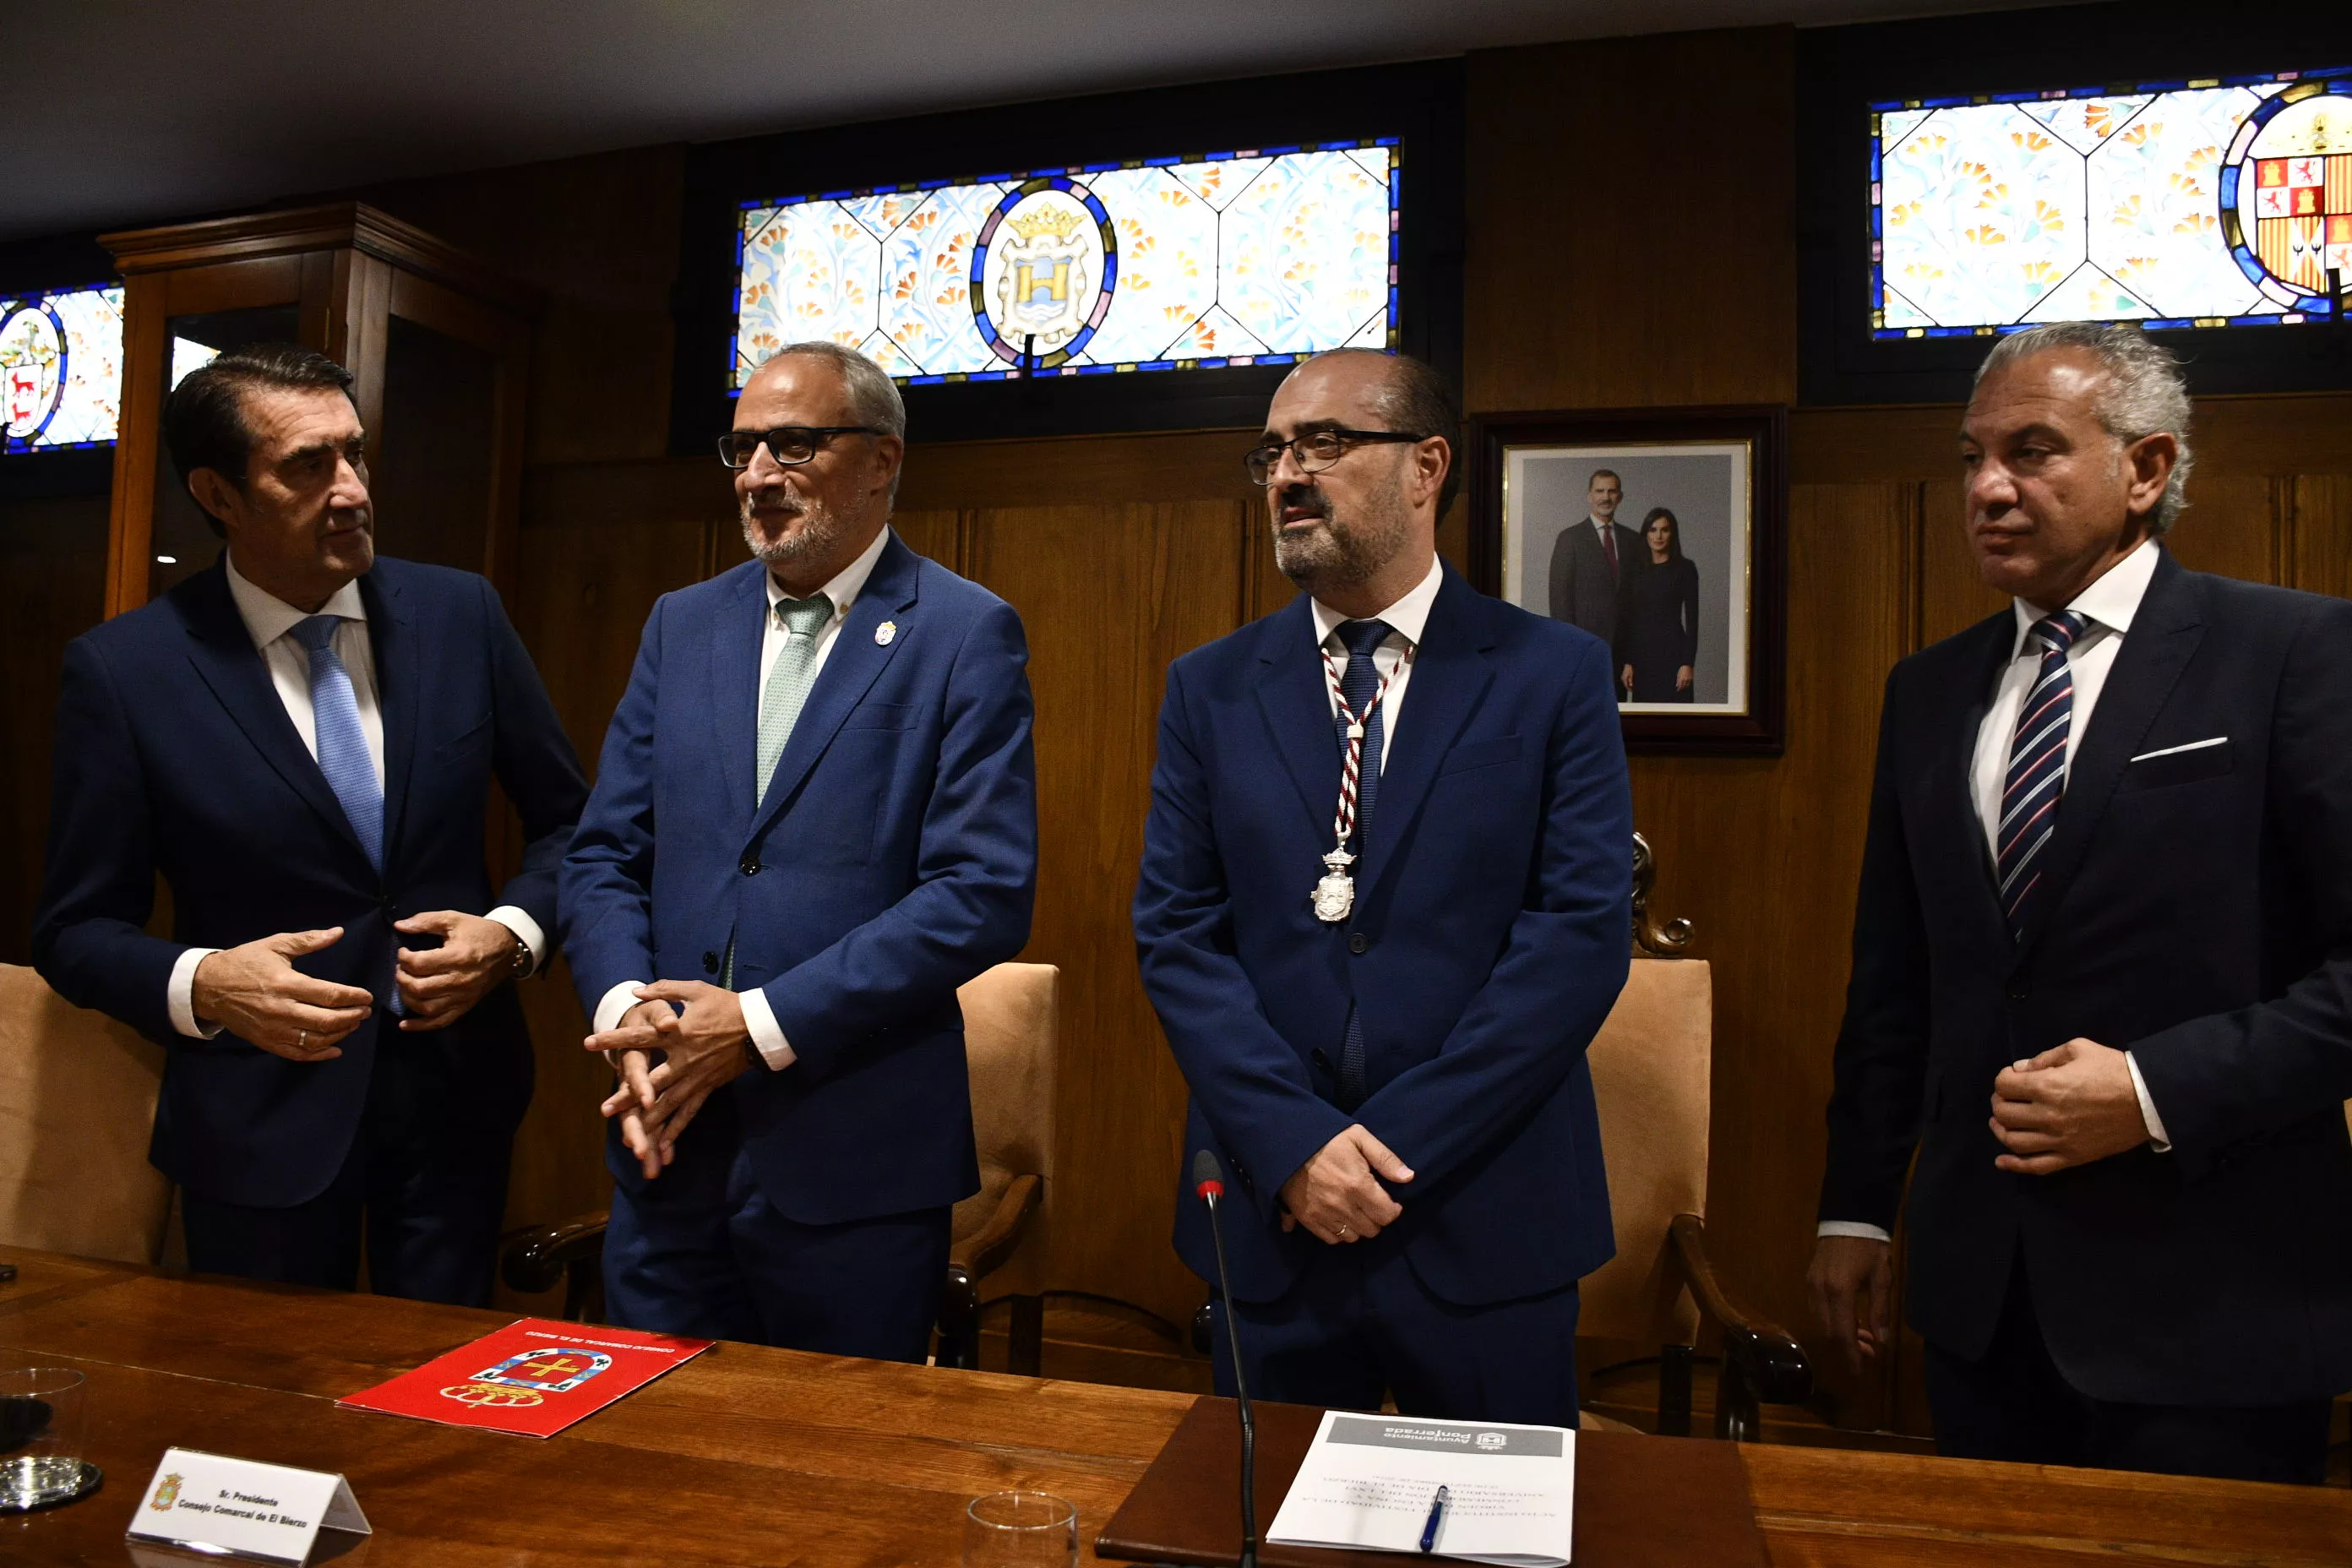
x: 2217, y: 203
x: 1251, y: 256
x: 60, y: 368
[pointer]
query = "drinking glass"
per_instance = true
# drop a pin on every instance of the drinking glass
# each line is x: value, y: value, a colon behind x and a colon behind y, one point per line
x: 40, y: 1436
x: 1020, y: 1530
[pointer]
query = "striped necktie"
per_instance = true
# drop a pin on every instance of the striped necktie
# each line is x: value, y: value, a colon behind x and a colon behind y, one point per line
x: 342, y: 747
x: 2037, y: 770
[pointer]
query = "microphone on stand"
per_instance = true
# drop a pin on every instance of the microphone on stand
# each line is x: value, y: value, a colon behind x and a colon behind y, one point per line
x: 1209, y: 1186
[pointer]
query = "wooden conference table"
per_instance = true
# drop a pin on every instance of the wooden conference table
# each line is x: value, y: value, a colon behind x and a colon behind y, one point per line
x: 754, y: 1456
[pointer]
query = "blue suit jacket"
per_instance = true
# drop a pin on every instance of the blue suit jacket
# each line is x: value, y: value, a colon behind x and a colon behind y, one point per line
x: 894, y: 858
x: 1487, y: 943
x: 174, y: 755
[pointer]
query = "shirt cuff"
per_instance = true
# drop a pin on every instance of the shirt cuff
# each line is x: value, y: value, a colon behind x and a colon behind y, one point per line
x: 180, y: 995
x: 767, y: 1035
x: 2148, y: 1118
x: 1852, y: 1227
x: 617, y: 1002
x: 526, y: 931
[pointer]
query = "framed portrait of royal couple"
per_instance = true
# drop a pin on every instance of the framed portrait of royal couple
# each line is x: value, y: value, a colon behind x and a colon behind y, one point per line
x: 1659, y: 532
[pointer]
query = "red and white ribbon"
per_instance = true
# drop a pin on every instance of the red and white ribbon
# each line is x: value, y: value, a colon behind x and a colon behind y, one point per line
x: 1343, y: 820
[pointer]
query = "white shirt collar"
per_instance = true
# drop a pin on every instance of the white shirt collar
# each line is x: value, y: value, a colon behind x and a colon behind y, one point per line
x: 846, y: 583
x: 269, y: 617
x: 1408, y: 615
x: 2110, y: 602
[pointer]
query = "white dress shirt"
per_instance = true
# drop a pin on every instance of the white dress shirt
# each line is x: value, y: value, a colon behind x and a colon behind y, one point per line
x: 268, y: 621
x: 1406, y: 618
x: 2106, y: 606
x: 759, y: 1018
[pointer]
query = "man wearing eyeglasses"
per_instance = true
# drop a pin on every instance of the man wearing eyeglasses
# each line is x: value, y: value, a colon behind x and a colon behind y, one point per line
x: 1382, y: 914
x: 814, y: 819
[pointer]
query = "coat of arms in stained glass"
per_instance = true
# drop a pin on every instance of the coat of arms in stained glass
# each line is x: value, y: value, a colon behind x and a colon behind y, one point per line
x: 2225, y: 202
x: 60, y: 368
x: 1251, y: 256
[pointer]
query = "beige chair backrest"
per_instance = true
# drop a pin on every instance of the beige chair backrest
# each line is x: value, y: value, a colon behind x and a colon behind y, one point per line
x: 1010, y: 1029
x: 77, y: 1106
x: 1650, y: 1066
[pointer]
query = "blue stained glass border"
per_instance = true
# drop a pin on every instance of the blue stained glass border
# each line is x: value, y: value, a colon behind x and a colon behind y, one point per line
x: 43, y: 299
x: 2310, y: 308
x: 1061, y: 175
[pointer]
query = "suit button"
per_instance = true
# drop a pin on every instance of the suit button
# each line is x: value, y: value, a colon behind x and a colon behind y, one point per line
x: 748, y: 866
x: 1322, y: 1061
x: 709, y: 964
x: 1357, y: 943
x: 2017, y: 993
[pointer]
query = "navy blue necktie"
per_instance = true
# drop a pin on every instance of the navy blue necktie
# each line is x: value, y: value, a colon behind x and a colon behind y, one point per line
x: 1358, y: 683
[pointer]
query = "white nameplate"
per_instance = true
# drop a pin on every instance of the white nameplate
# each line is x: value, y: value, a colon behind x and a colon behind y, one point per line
x: 269, y: 1513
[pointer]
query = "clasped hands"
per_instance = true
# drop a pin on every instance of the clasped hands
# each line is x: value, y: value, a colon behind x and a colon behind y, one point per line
x: 255, y: 991
x: 696, y: 1031
x: 1338, y: 1196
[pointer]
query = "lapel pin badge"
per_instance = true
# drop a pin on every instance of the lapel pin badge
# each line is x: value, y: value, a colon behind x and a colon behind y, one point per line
x: 886, y: 634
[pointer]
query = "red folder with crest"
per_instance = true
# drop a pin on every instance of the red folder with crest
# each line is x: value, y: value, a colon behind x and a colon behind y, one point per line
x: 534, y: 1376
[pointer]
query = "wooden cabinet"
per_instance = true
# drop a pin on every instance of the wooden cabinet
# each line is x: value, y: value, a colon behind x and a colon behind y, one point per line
x: 440, y: 345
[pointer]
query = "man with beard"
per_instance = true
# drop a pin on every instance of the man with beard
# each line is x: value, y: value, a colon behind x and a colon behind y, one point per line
x: 814, y: 819
x: 1382, y: 914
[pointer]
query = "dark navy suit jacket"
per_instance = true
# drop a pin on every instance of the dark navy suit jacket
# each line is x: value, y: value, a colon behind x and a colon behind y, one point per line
x: 2197, y: 910
x: 174, y: 755
x: 894, y: 858
x: 1487, y: 944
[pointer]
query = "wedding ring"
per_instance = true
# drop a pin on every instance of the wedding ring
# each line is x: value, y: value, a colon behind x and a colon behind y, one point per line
x: 1344, y: 1233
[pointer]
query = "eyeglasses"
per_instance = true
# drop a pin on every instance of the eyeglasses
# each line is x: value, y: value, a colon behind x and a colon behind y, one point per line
x: 1316, y: 451
x: 788, y: 445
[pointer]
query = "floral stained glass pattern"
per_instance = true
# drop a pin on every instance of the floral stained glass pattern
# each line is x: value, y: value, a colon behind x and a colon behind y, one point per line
x: 1253, y: 256
x: 2176, y: 205
x: 60, y: 368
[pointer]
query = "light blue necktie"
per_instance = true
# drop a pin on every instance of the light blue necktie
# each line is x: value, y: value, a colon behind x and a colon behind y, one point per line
x: 789, y: 679
x: 342, y: 744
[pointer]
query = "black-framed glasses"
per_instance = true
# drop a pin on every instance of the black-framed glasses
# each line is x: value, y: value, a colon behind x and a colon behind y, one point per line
x: 1316, y: 451
x: 788, y: 445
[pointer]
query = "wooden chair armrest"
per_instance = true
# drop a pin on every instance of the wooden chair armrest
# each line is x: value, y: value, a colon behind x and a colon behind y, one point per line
x: 985, y: 1252
x: 1766, y: 1354
x: 538, y: 1257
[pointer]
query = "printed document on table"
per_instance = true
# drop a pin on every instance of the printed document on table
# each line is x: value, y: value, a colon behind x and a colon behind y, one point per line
x: 1369, y: 1482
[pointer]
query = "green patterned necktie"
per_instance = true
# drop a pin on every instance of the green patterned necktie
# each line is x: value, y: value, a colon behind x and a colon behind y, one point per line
x: 789, y: 679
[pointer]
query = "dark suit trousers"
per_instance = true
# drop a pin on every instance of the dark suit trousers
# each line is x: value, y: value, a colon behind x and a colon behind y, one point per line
x: 2014, y: 1404
x: 699, y: 1250
x: 428, y: 1199
x: 1360, y: 1324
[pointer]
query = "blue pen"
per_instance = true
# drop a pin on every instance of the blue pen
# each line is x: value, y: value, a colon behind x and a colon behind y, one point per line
x: 1436, y: 1512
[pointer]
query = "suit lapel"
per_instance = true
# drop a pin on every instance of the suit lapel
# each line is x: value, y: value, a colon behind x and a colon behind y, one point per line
x: 2165, y: 634
x: 1296, y: 704
x: 851, y: 668
x: 1450, y: 672
x: 1951, y: 784
x: 224, y: 658
x: 399, y: 654
x: 735, y: 684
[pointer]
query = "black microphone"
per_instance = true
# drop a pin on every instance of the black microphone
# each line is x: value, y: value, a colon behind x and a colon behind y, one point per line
x: 1209, y: 1184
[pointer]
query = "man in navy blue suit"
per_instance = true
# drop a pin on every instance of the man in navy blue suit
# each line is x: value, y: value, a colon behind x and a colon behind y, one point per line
x: 2100, y: 1021
x: 815, y: 818
x: 1383, y: 911
x: 301, y: 742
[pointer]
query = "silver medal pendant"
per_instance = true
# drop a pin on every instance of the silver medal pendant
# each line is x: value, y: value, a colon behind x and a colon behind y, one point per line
x: 1335, y: 895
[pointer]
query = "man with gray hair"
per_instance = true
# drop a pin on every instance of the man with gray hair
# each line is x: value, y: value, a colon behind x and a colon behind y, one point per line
x: 814, y: 819
x: 2102, y: 983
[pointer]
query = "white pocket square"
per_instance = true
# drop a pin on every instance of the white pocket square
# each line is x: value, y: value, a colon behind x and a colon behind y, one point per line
x: 2191, y: 746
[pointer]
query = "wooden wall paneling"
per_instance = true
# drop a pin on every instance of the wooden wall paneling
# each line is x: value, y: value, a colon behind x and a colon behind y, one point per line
x: 934, y: 534
x: 1109, y: 595
x: 2319, y: 552
x: 1952, y: 596
x: 1565, y: 305
x: 584, y: 593
x: 1763, y: 855
x: 2231, y: 528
